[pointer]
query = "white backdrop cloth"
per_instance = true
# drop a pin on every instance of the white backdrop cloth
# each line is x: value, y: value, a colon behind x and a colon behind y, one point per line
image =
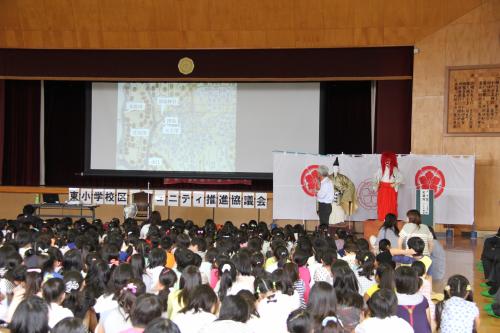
x: 451, y: 177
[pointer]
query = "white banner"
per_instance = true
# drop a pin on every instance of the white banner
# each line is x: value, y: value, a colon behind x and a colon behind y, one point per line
x: 451, y: 178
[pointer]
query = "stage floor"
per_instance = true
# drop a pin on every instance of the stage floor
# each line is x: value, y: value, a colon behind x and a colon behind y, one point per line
x: 462, y: 255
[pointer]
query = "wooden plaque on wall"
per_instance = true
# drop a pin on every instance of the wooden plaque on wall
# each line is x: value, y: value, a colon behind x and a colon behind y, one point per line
x: 473, y: 101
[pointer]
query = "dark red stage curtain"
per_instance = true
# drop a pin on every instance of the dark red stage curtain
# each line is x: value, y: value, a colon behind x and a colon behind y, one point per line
x: 393, y: 116
x: 2, y: 127
x: 21, y: 162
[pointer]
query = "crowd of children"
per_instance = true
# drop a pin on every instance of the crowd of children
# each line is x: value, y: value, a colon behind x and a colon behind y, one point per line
x: 175, y: 276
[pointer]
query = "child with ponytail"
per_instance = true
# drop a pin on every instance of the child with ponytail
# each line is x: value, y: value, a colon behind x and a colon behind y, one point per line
x: 457, y: 313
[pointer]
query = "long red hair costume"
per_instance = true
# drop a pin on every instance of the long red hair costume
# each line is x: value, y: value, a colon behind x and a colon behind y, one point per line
x: 387, y: 197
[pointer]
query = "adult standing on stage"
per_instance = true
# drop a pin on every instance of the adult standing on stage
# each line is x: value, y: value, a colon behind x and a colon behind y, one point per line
x: 387, y: 182
x: 324, y: 195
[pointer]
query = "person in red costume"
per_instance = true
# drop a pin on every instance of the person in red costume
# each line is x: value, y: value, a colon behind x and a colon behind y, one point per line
x: 387, y: 181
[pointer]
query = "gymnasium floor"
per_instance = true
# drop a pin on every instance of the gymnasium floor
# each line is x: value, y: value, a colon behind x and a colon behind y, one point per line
x: 462, y: 256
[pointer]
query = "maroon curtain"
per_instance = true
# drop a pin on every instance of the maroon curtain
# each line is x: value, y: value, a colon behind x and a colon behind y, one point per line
x: 2, y: 127
x: 21, y: 163
x: 393, y: 116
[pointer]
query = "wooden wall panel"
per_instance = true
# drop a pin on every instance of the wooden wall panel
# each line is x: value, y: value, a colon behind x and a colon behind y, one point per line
x: 470, y: 40
x: 285, y: 23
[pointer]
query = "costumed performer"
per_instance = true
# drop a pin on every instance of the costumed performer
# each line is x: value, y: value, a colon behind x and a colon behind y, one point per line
x: 387, y: 181
x: 344, y: 195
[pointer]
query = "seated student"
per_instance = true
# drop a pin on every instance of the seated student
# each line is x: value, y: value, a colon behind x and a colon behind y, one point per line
x: 146, y: 308
x: 412, y: 306
x: 199, y: 312
x: 324, y: 273
x: 178, y: 299
x: 425, y: 285
x: 438, y: 256
x: 416, y: 244
x: 53, y: 293
x: 384, y: 255
x: 383, y: 307
x: 366, y: 271
x: 350, y: 249
x: 490, y: 258
x: 233, y: 317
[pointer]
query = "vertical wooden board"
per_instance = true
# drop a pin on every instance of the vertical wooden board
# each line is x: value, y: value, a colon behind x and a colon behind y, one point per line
x: 280, y: 38
x: 13, y: 38
x: 462, y: 44
x: 338, y: 14
x: 399, y: 13
x: 253, y: 15
x: 33, y: 16
x: 115, y: 39
x: 458, y: 145
x: 399, y: 35
x: 113, y: 14
x: 221, y: 39
x: 198, y: 39
x: 252, y: 39
x: 89, y: 39
x: 456, y: 8
x: 339, y: 37
x: 224, y: 15
x: 309, y: 38
x: 429, y: 66
x: 171, y: 39
x: 86, y: 14
x: 9, y: 15
x: 487, y: 194
x: 141, y: 15
x: 168, y: 15
x: 430, y: 13
x: 368, y: 13
x: 279, y: 15
x: 427, y: 125
x: 490, y: 11
x: 489, y: 43
x: 369, y: 36
x: 195, y: 15
x: 487, y: 150
x: 142, y: 39
x: 59, y: 15
x: 308, y: 14
x: 34, y: 38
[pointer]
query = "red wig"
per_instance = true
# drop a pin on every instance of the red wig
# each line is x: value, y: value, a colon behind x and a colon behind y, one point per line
x: 391, y: 158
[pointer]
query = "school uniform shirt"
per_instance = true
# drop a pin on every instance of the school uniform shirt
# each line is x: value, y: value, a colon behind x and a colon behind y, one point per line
x: 116, y: 321
x: 154, y: 273
x: 274, y: 311
x: 323, y: 274
x: 458, y: 315
x: 174, y: 305
x: 364, y: 283
x: 58, y: 313
x: 391, y: 324
x: 193, y: 322
x: 104, y: 304
x: 243, y: 282
x: 226, y: 326
x: 413, y: 309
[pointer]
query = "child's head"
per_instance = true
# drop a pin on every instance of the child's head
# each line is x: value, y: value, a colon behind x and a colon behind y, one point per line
x: 350, y: 247
x: 299, y: 321
x: 203, y: 298
x: 162, y: 325
x: 366, y: 262
x: 54, y: 291
x: 300, y: 257
x: 417, y: 245
x: 384, y: 245
x: 70, y: 325
x: 322, y: 300
x: 167, y: 278
x: 385, y: 276
x: 249, y: 297
x: 157, y: 257
x: 407, y: 281
x: 328, y: 257
x: 146, y: 308
x: 234, y: 308
x: 419, y: 267
x: 227, y: 274
x: 458, y: 286
x: 383, y: 303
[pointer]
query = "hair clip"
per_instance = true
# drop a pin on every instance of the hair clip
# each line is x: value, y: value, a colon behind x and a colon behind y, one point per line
x: 131, y: 287
x: 469, y: 288
x: 72, y: 285
x: 34, y: 270
x: 447, y: 288
x: 366, y: 258
x: 328, y: 319
x: 225, y: 268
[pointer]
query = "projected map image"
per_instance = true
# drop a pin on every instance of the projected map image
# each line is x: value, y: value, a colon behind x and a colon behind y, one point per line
x: 176, y: 126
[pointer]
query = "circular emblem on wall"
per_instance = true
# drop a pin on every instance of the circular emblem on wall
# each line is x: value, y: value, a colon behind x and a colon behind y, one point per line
x: 186, y: 65
x: 309, y: 180
x: 430, y: 178
x: 367, y: 196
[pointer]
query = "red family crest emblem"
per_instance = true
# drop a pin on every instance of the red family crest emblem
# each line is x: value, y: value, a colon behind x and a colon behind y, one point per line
x: 309, y: 180
x: 367, y: 196
x: 430, y: 178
